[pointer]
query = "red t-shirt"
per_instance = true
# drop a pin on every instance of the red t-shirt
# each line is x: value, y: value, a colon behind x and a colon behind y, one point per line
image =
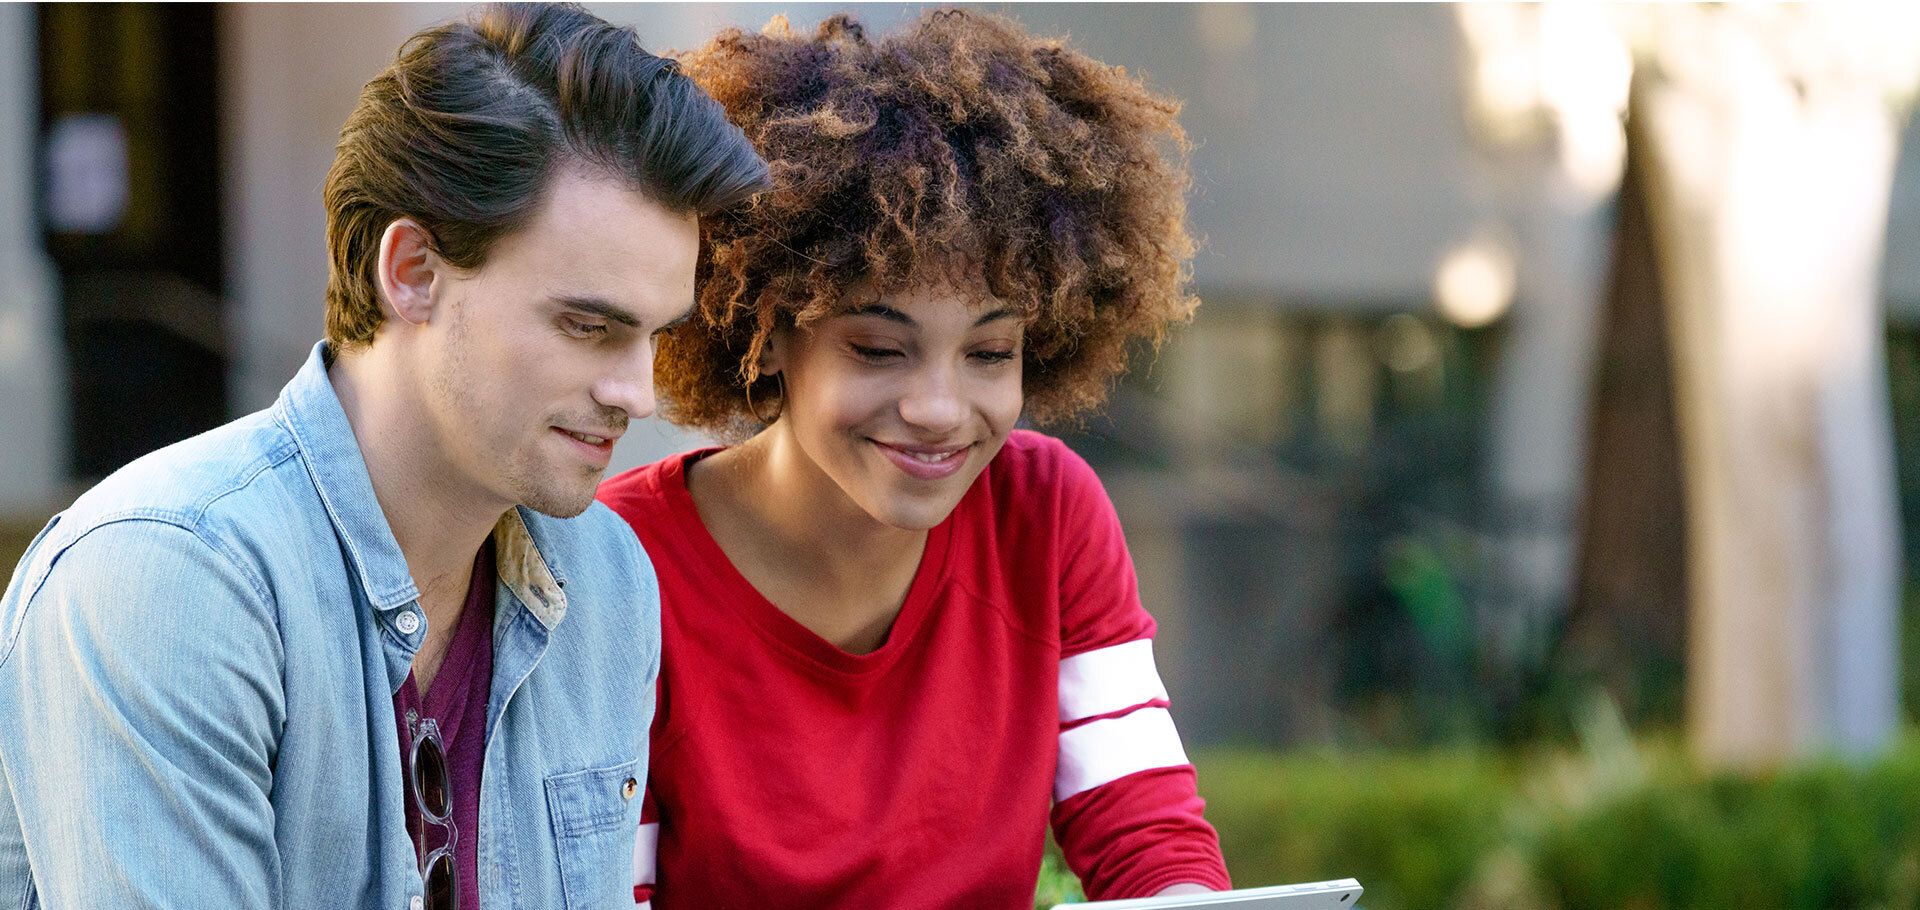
x: 457, y: 702
x: 1017, y: 683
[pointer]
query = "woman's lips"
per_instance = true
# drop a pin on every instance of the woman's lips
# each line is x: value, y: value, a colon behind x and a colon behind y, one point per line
x: 925, y: 462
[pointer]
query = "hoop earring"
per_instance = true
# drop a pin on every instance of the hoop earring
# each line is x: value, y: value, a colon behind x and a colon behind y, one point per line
x: 778, y: 408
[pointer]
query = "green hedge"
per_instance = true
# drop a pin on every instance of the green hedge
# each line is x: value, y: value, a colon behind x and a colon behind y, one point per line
x: 1420, y: 824
x: 1616, y: 825
x: 1823, y: 835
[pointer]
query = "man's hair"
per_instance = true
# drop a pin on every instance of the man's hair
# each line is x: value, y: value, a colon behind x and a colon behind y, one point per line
x: 1060, y: 180
x: 464, y: 132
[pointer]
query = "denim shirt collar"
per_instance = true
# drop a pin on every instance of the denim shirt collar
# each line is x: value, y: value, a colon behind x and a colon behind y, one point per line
x: 310, y: 410
x: 525, y: 570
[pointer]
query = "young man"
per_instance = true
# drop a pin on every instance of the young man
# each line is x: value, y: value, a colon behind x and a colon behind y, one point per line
x: 374, y: 646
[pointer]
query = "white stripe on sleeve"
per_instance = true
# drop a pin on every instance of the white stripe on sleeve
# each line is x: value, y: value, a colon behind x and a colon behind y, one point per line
x: 644, y: 847
x: 1114, y: 747
x: 1109, y: 679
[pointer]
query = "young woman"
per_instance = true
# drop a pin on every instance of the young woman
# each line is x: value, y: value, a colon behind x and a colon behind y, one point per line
x: 901, y: 635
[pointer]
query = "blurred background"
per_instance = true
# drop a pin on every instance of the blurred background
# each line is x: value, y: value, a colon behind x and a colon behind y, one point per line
x: 1527, y: 511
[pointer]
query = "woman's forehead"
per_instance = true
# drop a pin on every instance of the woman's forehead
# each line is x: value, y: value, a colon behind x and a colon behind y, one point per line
x: 947, y: 275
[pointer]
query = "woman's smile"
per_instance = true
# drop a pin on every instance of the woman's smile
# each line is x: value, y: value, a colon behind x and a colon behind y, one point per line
x: 923, y: 462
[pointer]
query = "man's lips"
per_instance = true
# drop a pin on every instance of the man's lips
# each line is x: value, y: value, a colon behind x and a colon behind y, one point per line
x: 593, y: 445
x: 592, y: 439
x: 923, y: 462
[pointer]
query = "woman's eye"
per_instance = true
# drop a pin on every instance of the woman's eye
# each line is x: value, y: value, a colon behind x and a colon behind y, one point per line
x: 994, y: 356
x: 873, y: 354
x: 584, y: 329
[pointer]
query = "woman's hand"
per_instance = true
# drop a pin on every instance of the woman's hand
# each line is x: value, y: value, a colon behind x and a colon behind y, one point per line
x: 1184, y: 888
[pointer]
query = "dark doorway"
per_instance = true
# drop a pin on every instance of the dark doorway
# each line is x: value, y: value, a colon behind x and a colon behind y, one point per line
x: 131, y: 208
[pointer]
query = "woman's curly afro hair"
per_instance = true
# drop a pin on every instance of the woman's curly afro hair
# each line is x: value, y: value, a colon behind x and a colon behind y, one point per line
x: 1061, y: 179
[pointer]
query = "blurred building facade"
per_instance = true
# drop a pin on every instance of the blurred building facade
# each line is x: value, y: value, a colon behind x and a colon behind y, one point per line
x: 1334, y: 488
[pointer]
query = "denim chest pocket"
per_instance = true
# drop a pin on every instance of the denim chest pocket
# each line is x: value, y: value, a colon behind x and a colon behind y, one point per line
x: 596, y: 814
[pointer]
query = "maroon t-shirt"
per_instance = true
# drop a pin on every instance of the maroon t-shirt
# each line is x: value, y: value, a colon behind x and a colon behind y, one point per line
x: 457, y: 701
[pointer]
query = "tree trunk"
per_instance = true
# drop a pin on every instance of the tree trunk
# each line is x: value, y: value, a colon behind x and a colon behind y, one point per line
x: 1626, y: 625
x: 1767, y: 195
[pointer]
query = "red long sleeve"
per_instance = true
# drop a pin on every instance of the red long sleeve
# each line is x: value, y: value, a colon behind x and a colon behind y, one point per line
x: 1127, y: 813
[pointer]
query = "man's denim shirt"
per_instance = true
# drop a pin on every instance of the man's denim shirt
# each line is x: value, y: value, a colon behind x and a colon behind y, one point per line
x: 197, y: 669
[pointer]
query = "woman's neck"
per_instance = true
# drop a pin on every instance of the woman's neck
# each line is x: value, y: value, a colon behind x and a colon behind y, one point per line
x: 794, y: 507
x: 802, y: 542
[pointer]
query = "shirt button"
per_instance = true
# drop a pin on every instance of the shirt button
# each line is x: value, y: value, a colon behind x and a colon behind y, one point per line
x: 417, y: 901
x: 629, y: 788
x: 409, y: 622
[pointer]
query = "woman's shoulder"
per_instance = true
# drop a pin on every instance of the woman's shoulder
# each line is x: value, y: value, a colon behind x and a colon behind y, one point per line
x: 1037, y: 493
x: 634, y: 489
x: 647, y: 493
x: 1033, y: 467
x: 1061, y: 546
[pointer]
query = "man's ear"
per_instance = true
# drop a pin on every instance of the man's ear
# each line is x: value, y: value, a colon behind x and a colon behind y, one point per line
x: 407, y: 267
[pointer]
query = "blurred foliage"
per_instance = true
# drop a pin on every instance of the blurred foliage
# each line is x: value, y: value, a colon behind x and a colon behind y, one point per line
x: 1411, y: 829
x: 1614, y: 823
x: 1903, y: 373
x: 1420, y: 579
x: 1823, y: 835
x: 1058, y: 885
x: 1424, y: 640
x: 1373, y: 465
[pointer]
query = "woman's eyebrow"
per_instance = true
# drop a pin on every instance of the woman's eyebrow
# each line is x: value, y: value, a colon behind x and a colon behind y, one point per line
x: 890, y: 314
x: 883, y: 311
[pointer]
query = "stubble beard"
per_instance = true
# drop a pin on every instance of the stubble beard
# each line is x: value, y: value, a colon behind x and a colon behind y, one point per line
x: 527, y: 478
x: 546, y: 492
x: 557, y: 490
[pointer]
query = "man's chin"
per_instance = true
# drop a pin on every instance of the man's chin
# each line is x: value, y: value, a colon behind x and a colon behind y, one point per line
x: 559, y: 503
x: 566, y: 510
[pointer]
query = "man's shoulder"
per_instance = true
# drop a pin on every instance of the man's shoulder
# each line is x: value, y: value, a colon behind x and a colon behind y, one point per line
x: 220, y: 481
x: 181, y: 525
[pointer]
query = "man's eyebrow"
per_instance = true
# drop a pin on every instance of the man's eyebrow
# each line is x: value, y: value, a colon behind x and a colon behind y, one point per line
x: 599, y: 307
x: 677, y: 321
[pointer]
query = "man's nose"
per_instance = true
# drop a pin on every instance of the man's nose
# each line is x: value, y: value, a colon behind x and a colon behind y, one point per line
x: 630, y: 386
